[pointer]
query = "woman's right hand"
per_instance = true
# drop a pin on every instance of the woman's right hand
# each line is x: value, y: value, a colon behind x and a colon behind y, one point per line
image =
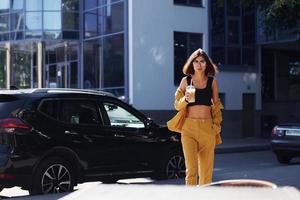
x: 187, y: 96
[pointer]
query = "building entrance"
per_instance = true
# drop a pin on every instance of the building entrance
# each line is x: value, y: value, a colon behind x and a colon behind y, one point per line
x: 58, y: 75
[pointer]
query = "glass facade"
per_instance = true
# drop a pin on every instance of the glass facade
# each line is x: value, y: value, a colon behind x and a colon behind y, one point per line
x: 42, y: 19
x: 280, y: 75
x: 45, y: 35
x: 233, y: 34
x: 104, y: 50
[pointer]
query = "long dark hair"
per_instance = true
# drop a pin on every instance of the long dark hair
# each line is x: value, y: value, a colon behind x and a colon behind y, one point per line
x: 211, y: 68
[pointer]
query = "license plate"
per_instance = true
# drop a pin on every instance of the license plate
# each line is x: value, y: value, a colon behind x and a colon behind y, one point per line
x: 293, y: 132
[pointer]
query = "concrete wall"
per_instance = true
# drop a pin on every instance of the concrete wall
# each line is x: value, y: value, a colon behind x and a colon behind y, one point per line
x: 151, y: 53
x: 234, y: 84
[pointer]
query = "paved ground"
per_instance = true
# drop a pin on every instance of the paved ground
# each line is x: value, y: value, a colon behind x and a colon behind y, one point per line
x: 243, y: 145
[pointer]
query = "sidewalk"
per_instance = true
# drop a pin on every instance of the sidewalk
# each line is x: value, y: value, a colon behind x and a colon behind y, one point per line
x: 232, y: 145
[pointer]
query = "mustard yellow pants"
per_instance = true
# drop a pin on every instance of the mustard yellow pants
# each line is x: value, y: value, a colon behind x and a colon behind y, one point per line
x: 198, y: 143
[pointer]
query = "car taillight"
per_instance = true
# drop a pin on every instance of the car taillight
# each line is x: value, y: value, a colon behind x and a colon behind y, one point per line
x: 277, y: 131
x: 9, y: 123
x: 7, y: 176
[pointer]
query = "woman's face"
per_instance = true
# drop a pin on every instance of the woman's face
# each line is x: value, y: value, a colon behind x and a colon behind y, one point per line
x: 199, y: 64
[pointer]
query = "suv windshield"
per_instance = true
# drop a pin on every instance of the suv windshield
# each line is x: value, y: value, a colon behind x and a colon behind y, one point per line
x: 8, y: 105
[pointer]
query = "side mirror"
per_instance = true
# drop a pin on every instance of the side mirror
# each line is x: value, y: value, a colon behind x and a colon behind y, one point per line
x: 148, y: 123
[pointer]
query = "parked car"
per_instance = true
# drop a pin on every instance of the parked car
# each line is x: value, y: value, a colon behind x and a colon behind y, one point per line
x: 53, y: 139
x: 285, y: 141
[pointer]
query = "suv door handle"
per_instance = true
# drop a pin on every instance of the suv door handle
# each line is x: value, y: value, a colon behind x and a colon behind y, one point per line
x: 119, y: 135
x: 71, y: 133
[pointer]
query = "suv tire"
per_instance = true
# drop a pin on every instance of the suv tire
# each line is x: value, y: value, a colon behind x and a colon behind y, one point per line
x: 172, y: 167
x: 53, y: 175
x: 283, y: 159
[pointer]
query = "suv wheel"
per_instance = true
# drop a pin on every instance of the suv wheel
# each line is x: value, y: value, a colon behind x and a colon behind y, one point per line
x: 283, y: 159
x: 54, y: 175
x: 172, y: 167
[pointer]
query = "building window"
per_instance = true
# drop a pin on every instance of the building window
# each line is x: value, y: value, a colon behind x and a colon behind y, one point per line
x: 34, y: 21
x: 52, y: 5
x: 33, y: 5
x: 233, y: 34
x: 197, y: 3
x: 104, y: 20
x: 4, y: 6
x: 113, y: 63
x: 52, y: 20
x: 184, y: 45
x: 17, y: 5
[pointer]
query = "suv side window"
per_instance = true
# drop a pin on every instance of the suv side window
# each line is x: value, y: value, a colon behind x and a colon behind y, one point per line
x: 118, y: 116
x: 79, y: 112
x: 49, y: 108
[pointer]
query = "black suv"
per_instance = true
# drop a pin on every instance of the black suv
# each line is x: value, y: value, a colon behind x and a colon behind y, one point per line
x: 53, y: 139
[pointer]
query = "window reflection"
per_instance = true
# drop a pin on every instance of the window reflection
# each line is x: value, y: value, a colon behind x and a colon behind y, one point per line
x: 17, y: 21
x: 33, y: 5
x: 52, y: 20
x: 70, y: 34
x: 21, y: 70
x: 70, y: 5
x: 17, y: 35
x: 4, y: 37
x: 113, y: 61
x: 52, y: 4
x: 4, y: 6
x: 114, y: 18
x: 52, y: 34
x: 17, y: 4
x: 71, y: 21
x: 90, y: 27
x: 4, y: 23
x: 89, y: 4
x: 92, y: 51
x: 33, y: 34
x: 33, y: 20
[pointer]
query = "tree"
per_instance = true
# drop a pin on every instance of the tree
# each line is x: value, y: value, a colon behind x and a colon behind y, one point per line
x: 279, y: 14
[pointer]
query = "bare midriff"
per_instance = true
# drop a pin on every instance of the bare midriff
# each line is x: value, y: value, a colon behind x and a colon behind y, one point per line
x: 199, y: 112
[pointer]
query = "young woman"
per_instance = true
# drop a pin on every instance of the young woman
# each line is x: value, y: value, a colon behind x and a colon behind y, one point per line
x: 200, y: 131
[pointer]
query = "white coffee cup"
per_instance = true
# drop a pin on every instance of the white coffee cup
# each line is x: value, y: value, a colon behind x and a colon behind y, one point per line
x: 191, y: 90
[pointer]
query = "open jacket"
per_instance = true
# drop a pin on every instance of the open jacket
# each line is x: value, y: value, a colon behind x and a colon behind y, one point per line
x: 176, y: 123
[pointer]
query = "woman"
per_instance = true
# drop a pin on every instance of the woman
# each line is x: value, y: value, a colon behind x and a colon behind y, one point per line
x: 200, y: 129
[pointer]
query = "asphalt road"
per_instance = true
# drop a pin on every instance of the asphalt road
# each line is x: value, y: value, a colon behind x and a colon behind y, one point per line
x: 250, y: 165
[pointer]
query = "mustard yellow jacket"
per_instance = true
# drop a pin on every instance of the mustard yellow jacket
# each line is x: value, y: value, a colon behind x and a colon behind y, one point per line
x: 176, y: 123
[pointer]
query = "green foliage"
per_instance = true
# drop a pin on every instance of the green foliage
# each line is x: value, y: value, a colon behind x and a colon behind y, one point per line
x: 280, y: 14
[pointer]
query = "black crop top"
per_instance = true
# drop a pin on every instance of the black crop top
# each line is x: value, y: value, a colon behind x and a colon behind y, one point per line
x: 202, y: 96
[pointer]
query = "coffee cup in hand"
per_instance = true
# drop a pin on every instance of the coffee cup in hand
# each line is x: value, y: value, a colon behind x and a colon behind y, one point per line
x: 190, y: 89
